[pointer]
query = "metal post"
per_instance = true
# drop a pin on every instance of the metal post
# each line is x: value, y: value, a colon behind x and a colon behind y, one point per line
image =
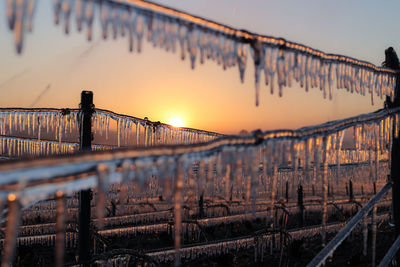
x: 85, y: 142
x: 392, y: 61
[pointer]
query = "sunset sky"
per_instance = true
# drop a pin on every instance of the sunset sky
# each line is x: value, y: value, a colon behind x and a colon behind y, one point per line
x: 160, y: 86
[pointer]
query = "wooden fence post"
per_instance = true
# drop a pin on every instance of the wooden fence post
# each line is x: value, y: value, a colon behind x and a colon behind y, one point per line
x: 85, y: 142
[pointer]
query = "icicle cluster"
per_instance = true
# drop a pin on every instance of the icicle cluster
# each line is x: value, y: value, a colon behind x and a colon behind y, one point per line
x: 19, y: 147
x: 281, y: 62
x: 19, y: 19
x: 19, y: 128
x: 130, y: 130
x: 316, y: 71
x: 13, y: 147
x: 226, y: 181
x: 24, y: 132
x: 37, y: 123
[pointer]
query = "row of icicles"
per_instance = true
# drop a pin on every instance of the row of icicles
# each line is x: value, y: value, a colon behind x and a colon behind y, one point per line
x: 147, y: 134
x: 233, y: 173
x: 281, y: 65
x: 238, y: 172
x: 62, y: 125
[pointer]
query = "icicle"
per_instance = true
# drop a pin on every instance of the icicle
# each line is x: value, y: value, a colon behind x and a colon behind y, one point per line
x: 229, y: 156
x: 308, y: 148
x: 114, y: 21
x: 339, y: 143
x: 13, y: 221
x: 295, y: 147
x: 60, y: 229
x: 377, y: 150
x: 281, y: 71
x: 365, y: 236
x: 137, y: 133
x: 60, y: 131
x: 79, y: 14
x: 170, y: 170
x: 210, y: 177
x: 273, y: 67
x: 102, y: 181
x: 258, y: 57
x: 274, y: 180
x: 19, y: 24
x: 178, y: 199
x: 254, y: 165
x: 89, y: 10
x: 325, y: 150
x: 126, y: 173
x: 202, y: 183
x: 11, y: 8
x: 66, y: 8
x: 242, y: 58
x: 29, y: 14
x: 118, y: 133
x: 192, y: 45
x: 373, y: 235
x: 104, y: 10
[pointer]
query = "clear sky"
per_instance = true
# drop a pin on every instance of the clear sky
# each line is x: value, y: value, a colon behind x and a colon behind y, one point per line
x: 160, y: 86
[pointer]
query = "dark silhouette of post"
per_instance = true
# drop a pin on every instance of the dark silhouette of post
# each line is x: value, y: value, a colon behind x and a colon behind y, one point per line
x: 85, y: 142
x: 392, y: 62
x: 287, y: 192
x: 351, y: 194
x: 300, y: 205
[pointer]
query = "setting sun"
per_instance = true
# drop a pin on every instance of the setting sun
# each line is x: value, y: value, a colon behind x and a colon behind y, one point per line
x: 176, y: 122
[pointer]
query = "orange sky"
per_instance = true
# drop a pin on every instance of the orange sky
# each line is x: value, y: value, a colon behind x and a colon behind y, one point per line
x: 157, y: 84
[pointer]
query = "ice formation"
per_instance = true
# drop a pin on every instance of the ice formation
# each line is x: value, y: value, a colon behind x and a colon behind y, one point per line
x: 282, y: 62
x: 22, y: 131
x: 147, y: 133
x: 257, y: 172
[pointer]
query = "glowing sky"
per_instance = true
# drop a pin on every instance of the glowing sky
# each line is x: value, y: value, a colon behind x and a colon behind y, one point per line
x: 160, y: 86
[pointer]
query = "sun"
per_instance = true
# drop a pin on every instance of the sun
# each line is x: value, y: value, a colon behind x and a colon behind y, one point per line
x: 176, y: 122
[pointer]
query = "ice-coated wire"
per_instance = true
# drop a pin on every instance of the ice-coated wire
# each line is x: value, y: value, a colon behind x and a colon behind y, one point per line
x: 15, y: 121
x: 151, y: 169
x: 281, y: 61
x: 83, y: 162
x: 390, y: 254
x: 329, y: 249
x: 155, y: 133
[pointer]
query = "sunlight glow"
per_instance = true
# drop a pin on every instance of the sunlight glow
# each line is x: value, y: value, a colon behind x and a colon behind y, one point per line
x: 176, y: 122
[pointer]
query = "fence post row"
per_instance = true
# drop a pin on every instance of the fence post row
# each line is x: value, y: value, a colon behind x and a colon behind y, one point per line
x: 85, y: 196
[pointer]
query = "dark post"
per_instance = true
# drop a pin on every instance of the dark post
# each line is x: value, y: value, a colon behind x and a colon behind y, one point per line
x: 201, y: 207
x: 351, y: 194
x: 300, y: 204
x: 329, y: 190
x: 287, y: 192
x: 85, y: 142
x: 392, y: 61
